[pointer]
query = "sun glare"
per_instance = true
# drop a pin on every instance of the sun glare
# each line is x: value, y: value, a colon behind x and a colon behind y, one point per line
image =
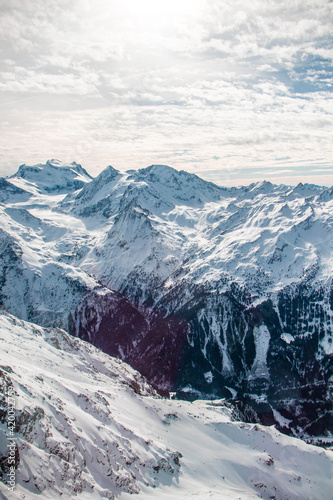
x: 159, y: 14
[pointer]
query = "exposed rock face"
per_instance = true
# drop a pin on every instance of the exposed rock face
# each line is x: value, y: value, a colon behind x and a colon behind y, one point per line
x: 244, y: 353
x: 88, y: 426
x: 209, y: 292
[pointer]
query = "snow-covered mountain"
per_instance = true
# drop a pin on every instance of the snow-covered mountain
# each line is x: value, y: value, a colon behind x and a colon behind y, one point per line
x: 88, y: 426
x: 54, y: 176
x: 207, y: 291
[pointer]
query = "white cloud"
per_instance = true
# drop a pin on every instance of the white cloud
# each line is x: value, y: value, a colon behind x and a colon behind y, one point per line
x: 244, y: 83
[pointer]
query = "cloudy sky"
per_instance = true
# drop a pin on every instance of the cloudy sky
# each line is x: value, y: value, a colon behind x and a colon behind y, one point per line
x: 233, y: 90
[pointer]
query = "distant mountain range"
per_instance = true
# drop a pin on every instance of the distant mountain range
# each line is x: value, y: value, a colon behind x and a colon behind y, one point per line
x: 209, y: 292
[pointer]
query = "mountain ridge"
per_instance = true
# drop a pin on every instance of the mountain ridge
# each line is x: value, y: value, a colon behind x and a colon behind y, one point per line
x: 53, y: 176
x: 207, y: 271
x: 88, y: 426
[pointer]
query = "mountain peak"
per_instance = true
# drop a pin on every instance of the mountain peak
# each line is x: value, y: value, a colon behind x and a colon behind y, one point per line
x: 108, y: 174
x: 262, y: 186
x: 203, y: 265
x: 53, y: 176
x: 158, y: 172
x: 158, y: 168
x: 73, y: 166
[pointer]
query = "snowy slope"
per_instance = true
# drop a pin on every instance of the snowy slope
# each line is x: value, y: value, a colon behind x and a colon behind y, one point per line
x: 88, y: 426
x: 221, y: 292
x: 51, y: 177
x: 158, y: 221
x: 143, y: 226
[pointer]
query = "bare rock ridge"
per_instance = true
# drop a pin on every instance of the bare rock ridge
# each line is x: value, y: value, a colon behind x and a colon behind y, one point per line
x: 208, y: 291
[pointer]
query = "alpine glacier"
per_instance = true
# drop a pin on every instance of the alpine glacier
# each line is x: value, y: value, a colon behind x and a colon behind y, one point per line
x: 209, y: 292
